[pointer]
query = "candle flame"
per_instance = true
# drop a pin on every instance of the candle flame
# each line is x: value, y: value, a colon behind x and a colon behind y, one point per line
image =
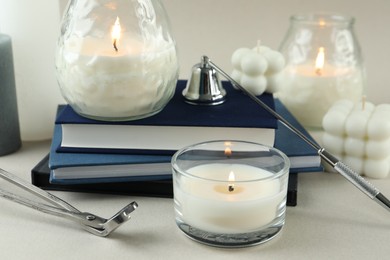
x: 231, y: 180
x: 228, y: 150
x: 320, y: 60
x: 116, y: 33
x: 321, y: 23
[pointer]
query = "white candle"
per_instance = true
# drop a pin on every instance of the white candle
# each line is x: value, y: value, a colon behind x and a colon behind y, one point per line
x: 258, y: 69
x: 360, y: 135
x: 104, y: 82
x: 309, y: 94
x: 214, y: 207
x: 311, y: 88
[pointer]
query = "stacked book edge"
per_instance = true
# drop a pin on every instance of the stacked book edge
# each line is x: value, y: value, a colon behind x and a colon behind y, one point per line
x: 74, y: 167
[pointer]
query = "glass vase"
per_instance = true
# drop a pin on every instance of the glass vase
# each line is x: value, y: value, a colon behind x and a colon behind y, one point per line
x: 116, y: 60
x: 323, y: 64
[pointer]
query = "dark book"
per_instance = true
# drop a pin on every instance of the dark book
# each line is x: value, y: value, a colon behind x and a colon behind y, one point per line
x: 40, y: 177
x: 178, y: 125
x: 77, y: 168
x: 302, y: 156
x: 69, y: 168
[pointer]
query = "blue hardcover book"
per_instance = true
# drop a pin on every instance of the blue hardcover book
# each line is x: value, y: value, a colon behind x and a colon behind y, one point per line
x: 178, y: 125
x: 70, y: 168
x: 83, y: 168
x: 40, y: 176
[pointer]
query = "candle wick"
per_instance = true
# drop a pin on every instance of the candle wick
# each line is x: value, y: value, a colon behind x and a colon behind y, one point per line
x: 363, y: 102
x: 115, y: 47
x: 231, y: 188
x: 319, y: 72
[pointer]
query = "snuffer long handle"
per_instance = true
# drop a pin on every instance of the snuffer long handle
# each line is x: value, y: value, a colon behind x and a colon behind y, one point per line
x: 357, y: 180
x: 339, y: 166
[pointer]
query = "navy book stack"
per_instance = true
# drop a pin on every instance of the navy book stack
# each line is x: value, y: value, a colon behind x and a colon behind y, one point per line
x: 145, y: 170
x: 69, y: 168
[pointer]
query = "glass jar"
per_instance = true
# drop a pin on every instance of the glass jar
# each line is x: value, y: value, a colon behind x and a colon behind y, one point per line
x: 323, y: 64
x: 116, y: 60
x: 230, y: 193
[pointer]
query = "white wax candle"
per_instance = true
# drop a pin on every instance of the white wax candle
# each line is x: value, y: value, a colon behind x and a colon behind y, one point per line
x: 107, y: 83
x: 258, y: 69
x: 309, y: 93
x: 360, y: 135
x: 210, y: 206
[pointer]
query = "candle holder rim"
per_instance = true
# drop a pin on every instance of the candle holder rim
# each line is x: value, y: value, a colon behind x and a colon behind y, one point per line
x: 277, y: 175
x: 329, y: 17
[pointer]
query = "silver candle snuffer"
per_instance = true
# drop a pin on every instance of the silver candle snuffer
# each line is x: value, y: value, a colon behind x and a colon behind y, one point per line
x: 208, y: 82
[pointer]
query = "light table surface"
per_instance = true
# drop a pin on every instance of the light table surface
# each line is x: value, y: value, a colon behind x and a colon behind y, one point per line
x: 333, y: 220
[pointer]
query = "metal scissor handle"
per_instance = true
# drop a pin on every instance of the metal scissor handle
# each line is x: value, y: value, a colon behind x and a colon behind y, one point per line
x: 94, y: 224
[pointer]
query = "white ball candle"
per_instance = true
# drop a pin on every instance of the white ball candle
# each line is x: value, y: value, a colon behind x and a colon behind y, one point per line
x: 237, y: 56
x: 254, y: 84
x: 359, y: 134
x: 258, y: 69
x: 254, y: 64
x: 276, y: 61
x: 334, y: 143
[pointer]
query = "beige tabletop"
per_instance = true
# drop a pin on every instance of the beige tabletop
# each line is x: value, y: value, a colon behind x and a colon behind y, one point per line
x: 333, y: 220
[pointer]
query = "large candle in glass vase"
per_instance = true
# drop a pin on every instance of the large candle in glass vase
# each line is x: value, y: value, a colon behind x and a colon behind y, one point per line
x: 324, y: 64
x: 116, y: 60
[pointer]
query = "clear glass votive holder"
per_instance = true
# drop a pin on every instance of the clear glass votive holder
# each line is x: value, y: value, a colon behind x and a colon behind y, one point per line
x: 230, y: 193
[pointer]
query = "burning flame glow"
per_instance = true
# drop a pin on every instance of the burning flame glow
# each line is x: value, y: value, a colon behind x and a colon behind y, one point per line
x: 231, y: 180
x: 116, y: 33
x: 320, y: 60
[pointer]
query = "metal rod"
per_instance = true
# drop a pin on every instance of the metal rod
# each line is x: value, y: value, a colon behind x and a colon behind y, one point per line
x: 261, y: 103
x: 353, y: 177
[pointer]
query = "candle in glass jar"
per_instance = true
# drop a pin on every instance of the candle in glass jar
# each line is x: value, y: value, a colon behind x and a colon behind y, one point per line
x: 113, y: 83
x: 224, y: 205
x: 117, y: 76
x: 311, y: 88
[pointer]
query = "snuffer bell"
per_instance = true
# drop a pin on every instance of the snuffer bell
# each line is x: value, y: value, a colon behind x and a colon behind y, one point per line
x: 204, y: 86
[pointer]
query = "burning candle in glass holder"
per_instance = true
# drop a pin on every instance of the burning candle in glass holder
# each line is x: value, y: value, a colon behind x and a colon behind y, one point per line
x: 116, y: 60
x: 230, y: 194
x: 324, y: 64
